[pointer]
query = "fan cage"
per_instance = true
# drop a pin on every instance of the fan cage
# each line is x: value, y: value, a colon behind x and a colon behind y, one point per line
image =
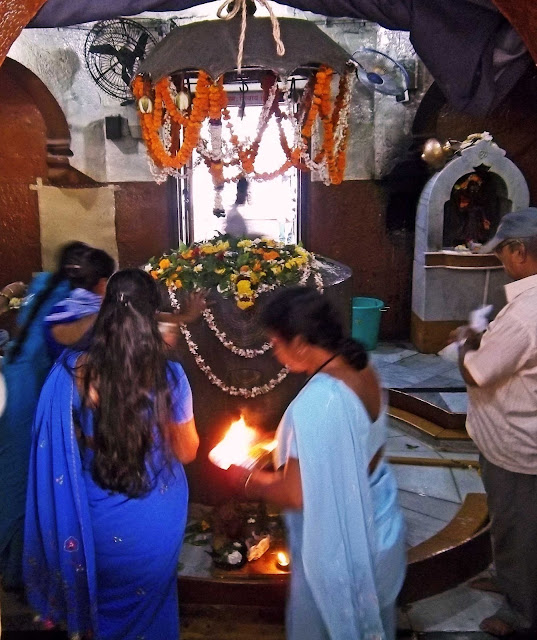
x: 106, y: 69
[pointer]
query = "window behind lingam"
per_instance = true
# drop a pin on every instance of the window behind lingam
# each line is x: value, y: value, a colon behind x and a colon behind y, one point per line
x: 262, y: 209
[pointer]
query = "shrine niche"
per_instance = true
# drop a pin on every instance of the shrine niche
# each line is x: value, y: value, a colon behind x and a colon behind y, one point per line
x: 471, y: 215
x: 460, y: 209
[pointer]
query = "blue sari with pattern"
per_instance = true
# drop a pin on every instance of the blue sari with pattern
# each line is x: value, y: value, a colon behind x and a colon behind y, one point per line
x: 24, y: 376
x: 100, y: 562
x: 80, y: 304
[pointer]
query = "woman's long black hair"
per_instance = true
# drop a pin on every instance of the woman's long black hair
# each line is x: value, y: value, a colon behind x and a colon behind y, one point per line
x: 70, y: 258
x: 303, y: 311
x: 125, y: 383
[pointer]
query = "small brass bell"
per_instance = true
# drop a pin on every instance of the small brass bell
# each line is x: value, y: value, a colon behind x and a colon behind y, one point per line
x: 434, y: 154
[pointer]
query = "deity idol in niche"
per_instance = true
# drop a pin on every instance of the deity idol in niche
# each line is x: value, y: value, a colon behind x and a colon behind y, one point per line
x: 474, y: 209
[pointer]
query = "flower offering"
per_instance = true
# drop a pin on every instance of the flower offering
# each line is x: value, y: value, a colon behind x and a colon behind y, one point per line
x: 235, y: 267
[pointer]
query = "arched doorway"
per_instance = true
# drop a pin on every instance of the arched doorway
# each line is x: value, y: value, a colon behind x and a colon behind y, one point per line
x: 35, y: 145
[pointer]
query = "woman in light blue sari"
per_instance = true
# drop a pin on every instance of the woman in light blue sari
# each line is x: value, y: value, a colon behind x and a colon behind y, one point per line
x: 107, y: 492
x: 345, y: 529
x: 25, y: 367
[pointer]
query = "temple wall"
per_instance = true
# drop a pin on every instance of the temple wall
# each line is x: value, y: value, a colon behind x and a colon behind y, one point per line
x: 380, y: 135
x: 22, y: 161
x: 380, y: 125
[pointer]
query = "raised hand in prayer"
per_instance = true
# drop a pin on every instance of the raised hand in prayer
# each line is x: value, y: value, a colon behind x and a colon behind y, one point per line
x: 193, y: 305
x: 10, y: 291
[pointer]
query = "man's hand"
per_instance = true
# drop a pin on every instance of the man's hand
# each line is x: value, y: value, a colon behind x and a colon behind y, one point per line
x: 466, y: 334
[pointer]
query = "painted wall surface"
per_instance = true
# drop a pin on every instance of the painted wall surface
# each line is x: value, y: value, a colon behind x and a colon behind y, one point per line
x: 143, y: 226
x: 357, y: 236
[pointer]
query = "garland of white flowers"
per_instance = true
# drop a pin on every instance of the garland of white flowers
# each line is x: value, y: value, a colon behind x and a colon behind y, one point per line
x: 222, y: 336
x: 238, y: 351
x: 232, y: 391
x: 160, y: 175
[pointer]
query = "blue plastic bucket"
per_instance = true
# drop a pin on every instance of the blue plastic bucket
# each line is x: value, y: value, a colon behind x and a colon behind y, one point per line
x: 366, y: 320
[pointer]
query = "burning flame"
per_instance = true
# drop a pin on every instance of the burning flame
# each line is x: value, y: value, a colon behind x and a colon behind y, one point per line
x: 240, y: 446
x: 282, y: 559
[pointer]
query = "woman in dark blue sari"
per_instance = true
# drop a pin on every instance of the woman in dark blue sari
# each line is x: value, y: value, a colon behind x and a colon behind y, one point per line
x: 25, y: 367
x: 70, y: 321
x: 107, y: 493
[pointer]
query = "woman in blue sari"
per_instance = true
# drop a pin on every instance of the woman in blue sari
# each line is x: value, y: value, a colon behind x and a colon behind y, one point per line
x: 107, y: 492
x: 70, y: 321
x: 345, y: 529
x: 25, y: 367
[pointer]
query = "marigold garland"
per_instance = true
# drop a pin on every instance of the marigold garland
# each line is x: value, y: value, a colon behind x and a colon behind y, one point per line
x: 157, y: 105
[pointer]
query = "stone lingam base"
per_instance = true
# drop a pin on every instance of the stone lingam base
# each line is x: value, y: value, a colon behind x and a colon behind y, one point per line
x: 215, y: 410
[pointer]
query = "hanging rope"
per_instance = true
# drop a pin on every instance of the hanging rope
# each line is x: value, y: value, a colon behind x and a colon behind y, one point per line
x: 240, y: 5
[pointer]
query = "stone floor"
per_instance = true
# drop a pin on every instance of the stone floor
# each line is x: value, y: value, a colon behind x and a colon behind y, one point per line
x: 429, y: 501
x: 426, y: 376
x: 435, y: 495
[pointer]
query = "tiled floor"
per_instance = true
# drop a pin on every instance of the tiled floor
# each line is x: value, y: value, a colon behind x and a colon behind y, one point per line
x: 430, y: 496
x: 426, y: 376
x: 400, y: 366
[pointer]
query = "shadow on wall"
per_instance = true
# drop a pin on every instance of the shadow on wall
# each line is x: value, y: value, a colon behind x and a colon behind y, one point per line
x: 404, y: 185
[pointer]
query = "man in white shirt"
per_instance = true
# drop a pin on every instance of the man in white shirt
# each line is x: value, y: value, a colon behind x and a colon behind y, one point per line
x: 500, y: 369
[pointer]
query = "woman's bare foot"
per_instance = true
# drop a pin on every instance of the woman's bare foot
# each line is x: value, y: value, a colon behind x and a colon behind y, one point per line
x: 486, y: 584
x: 496, y: 627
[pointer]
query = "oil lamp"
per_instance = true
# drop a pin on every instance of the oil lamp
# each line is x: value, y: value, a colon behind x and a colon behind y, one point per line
x: 282, y: 561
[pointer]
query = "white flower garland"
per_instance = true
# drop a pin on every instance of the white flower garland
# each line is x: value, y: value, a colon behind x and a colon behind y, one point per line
x: 232, y: 391
x: 222, y: 336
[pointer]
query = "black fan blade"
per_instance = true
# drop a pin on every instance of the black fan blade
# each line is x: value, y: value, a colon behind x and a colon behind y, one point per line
x: 126, y: 76
x: 139, y: 49
x: 104, y: 49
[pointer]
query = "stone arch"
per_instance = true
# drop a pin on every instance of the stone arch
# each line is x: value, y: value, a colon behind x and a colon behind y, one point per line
x: 58, y: 136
